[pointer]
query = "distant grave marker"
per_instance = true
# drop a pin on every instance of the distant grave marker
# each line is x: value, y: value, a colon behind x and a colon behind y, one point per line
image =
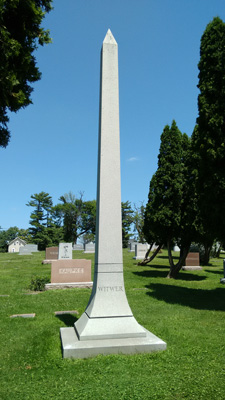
x: 28, y: 249
x: 65, y: 251
x: 140, y: 251
x: 32, y: 247
x: 23, y: 251
x: 192, y: 262
x: 51, y: 253
x: 78, y: 246
x: 89, y: 248
x: 132, y: 246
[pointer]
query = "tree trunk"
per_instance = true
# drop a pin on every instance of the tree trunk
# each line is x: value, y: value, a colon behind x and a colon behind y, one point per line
x: 218, y: 251
x: 148, y: 260
x: 206, y: 256
x: 170, y: 254
x: 175, y: 268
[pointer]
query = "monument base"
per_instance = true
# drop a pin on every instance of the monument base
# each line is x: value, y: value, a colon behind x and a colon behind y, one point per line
x: 69, y: 285
x: 72, y: 347
x: 192, y: 268
x: 47, y: 261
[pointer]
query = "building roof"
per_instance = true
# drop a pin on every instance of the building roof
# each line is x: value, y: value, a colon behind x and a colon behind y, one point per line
x: 17, y: 238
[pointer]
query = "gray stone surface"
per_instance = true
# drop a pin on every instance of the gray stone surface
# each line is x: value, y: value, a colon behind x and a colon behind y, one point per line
x: 192, y: 268
x: 32, y: 247
x: 78, y: 246
x: 24, y: 251
x: 86, y: 285
x: 28, y: 249
x: 23, y: 315
x: 132, y: 246
x: 108, y: 326
x: 89, y: 248
x: 74, y: 348
x: 65, y: 251
x: 140, y: 251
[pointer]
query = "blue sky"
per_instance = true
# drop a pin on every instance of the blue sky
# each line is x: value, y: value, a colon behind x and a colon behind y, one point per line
x: 54, y: 141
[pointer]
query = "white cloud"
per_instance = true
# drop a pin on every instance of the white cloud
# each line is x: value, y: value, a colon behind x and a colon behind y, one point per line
x: 131, y: 159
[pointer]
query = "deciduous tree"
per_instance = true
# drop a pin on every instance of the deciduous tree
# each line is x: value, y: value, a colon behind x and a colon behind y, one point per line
x: 8, y: 235
x: 77, y: 216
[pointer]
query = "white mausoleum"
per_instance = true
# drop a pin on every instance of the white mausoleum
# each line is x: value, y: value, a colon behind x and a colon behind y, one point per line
x: 15, y: 244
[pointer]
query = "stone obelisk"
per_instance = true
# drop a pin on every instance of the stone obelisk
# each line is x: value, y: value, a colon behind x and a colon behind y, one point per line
x: 108, y: 325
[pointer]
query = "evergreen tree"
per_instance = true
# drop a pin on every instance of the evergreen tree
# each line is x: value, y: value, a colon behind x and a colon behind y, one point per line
x: 43, y: 230
x: 167, y: 218
x: 20, y: 34
x: 139, y: 213
x: 127, y: 220
x: 209, y: 134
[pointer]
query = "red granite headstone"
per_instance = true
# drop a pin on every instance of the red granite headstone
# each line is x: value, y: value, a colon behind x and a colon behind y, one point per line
x: 51, y: 253
x: 66, y: 271
x: 192, y: 259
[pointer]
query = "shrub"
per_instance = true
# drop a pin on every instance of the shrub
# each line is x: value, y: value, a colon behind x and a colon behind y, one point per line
x: 37, y: 283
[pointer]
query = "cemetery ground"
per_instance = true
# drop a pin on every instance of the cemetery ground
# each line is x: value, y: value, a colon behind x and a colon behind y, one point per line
x: 187, y: 313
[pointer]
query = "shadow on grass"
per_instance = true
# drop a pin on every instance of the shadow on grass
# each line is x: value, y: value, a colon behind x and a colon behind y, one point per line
x: 163, y: 274
x: 67, y: 319
x: 214, y: 272
x: 155, y: 266
x: 194, y: 298
x: 167, y: 258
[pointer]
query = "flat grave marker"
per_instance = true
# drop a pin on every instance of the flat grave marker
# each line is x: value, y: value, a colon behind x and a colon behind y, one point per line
x: 23, y: 315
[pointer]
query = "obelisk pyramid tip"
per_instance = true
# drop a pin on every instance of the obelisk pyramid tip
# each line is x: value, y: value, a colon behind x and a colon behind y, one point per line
x: 109, y: 38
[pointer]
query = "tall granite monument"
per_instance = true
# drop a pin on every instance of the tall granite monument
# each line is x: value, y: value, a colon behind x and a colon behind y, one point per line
x: 108, y: 326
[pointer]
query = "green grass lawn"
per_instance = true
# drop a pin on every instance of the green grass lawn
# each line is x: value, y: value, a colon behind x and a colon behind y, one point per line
x: 187, y: 313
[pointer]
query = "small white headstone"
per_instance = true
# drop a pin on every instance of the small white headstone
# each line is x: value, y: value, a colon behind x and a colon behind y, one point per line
x: 132, y: 246
x: 78, y: 246
x: 65, y: 251
x: 140, y: 251
x: 89, y: 248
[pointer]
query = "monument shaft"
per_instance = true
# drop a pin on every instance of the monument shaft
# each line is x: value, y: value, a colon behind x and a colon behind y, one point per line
x: 108, y: 299
x: 109, y: 234
x: 108, y: 325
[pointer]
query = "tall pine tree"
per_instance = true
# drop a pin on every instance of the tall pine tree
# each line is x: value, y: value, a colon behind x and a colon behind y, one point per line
x: 209, y: 133
x: 168, y: 216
